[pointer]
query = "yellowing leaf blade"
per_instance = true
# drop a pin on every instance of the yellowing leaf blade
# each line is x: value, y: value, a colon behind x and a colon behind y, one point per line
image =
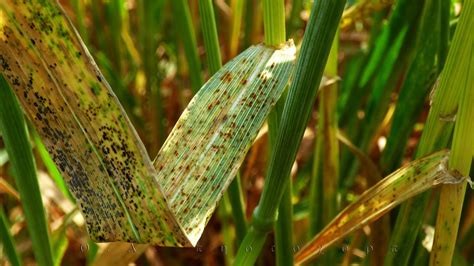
x: 96, y: 148
x: 83, y: 126
x: 399, y: 186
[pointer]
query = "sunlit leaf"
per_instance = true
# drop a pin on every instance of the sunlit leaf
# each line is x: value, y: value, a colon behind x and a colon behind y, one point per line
x: 399, y: 186
x: 215, y: 131
x: 121, y: 194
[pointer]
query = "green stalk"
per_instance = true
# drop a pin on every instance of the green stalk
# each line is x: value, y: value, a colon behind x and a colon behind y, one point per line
x: 284, y: 225
x: 461, y: 61
x: 96, y: 6
x: 227, y: 235
x: 436, y: 135
x: 7, y: 240
x: 316, y: 203
x: 150, y: 25
x: 237, y: 7
x: 317, y: 41
x: 275, y: 34
x: 12, y: 126
x: 188, y: 38
x: 249, y: 22
x: 211, y: 40
x: 329, y: 133
x: 274, y: 22
x: 284, y: 229
x: 114, y: 12
x: 444, y: 33
x: 294, y: 21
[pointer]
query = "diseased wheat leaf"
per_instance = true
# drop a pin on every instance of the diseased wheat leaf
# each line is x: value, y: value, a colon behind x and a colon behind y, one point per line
x: 394, y: 189
x: 121, y: 194
x: 83, y: 126
x: 215, y: 131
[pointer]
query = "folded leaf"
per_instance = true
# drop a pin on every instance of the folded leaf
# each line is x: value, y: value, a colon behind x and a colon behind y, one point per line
x: 399, y: 186
x: 121, y: 194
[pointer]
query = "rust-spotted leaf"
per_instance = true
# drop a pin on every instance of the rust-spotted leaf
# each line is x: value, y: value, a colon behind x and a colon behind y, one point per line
x: 212, y: 136
x: 121, y: 193
x: 394, y: 189
x: 83, y: 126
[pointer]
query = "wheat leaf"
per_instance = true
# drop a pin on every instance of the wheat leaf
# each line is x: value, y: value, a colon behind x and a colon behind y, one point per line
x: 121, y: 194
x: 406, y: 182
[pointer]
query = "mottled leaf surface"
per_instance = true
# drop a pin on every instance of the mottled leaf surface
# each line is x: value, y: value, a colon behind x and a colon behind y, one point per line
x: 212, y: 136
x: 83, y: 126
x: 406, y: 182
x: 121, y: 194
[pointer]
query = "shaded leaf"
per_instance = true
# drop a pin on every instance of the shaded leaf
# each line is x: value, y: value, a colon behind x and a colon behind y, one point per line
x: 7, y: 241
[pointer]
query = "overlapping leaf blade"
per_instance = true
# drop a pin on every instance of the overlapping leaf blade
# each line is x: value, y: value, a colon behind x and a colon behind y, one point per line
x: 406, y: 182
x: 214, y: 133
x: 97, y: 150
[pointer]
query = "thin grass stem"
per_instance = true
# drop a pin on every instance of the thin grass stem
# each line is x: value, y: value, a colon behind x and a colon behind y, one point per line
x: 7, y: 241
x: 15, y: 136
x: 188, y: 38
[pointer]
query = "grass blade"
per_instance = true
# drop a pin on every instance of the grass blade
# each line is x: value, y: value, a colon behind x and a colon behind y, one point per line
x: 97, y: 149
x: 237, y: 7
x: 209, y: 31
x: 315, y: 49
x: 7, y: 241
x: 211, y: 44
x: 188, y: 38
x: 421, y: 76
x: 436, y: 135
x: 386, y: 47
x: 17, y: 143
x: 402, y: 184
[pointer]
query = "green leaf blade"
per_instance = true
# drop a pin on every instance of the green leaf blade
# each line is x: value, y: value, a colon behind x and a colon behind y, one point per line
x: 17, y: 143
x: 96, y: 148
x: 210, y: 140
x: 7, y: 241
